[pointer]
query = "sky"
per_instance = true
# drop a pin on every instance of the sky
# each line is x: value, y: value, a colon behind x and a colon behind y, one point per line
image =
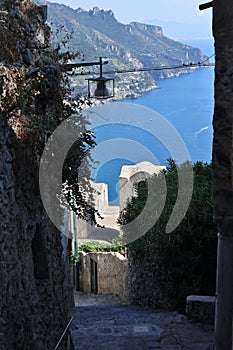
x: 180, y: 19
x: 130, y: 10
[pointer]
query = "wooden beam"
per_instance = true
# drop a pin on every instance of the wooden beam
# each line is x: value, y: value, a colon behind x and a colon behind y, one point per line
x: 206, y: 5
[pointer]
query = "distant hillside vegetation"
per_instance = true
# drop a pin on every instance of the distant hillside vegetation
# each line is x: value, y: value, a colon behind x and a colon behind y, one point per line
x: 97, y: 33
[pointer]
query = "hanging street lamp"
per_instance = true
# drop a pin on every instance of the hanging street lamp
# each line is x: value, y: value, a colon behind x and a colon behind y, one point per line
x: 101, y: 87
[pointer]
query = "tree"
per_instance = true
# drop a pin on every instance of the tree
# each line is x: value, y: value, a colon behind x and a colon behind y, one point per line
x: 172, y: 266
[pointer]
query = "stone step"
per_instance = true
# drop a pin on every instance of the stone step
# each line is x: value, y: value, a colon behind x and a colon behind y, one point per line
x: 200, y: 308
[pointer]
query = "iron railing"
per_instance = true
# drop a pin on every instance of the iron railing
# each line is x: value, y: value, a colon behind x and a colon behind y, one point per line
x: 65, y: 332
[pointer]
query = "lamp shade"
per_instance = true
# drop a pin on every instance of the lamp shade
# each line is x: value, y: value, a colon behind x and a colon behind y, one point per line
x: 100, y: 88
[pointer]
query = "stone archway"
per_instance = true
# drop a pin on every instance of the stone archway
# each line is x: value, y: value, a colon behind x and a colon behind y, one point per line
x: 130, y: 177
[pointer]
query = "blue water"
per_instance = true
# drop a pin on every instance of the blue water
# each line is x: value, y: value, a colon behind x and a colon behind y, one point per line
x: 187, y: 102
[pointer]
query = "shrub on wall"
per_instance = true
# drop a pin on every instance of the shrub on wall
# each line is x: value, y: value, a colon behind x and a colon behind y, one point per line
x: 97, y: 246
x: 35, y: 96
x: 165, y: 268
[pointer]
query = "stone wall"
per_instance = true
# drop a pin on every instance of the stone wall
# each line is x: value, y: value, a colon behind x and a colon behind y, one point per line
x: 111, y: 270
x: 222, y: 160
x: 35, y: 292
x: 140, y: 286
x: 35, y: 295
x: 200, y: 308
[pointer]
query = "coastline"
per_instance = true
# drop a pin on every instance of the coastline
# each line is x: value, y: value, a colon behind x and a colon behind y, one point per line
x: 121, y: 94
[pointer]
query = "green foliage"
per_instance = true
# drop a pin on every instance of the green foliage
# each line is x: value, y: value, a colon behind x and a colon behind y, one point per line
x: 76, y: 176
x: 17, y: 91
x: 96, y: 246
x: 184, y: 261
x: 74, y: 258
x: 35, y: 95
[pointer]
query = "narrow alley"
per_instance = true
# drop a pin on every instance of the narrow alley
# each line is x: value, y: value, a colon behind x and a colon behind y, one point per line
x: 102, y: 323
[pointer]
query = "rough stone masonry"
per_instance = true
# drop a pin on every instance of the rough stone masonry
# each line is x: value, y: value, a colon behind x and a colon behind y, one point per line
x: 35, y: 295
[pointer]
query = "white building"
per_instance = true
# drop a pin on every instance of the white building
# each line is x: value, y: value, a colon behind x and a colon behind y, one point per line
x: 129, y: 178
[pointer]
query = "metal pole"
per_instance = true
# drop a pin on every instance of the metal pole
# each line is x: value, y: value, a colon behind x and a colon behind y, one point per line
x: 70, y: 66
x: 63, y: 334
x: 75, y: 237
x: 101, y: 67
x: 206, y: 5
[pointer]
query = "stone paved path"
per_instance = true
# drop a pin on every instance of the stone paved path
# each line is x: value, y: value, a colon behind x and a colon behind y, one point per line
x: 101, y: 323
x: 82, y: 299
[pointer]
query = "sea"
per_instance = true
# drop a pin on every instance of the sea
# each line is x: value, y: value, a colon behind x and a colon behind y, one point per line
x: 184, y: 105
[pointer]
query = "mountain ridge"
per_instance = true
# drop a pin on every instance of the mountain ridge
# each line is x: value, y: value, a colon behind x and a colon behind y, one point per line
x: 135, y: 45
